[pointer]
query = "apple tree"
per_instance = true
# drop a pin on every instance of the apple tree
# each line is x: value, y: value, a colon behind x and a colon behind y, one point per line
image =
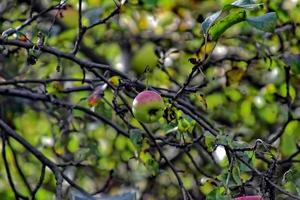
x: 150, y: 99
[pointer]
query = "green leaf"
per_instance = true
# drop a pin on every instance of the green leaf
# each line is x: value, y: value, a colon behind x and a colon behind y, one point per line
x: 150, y: 3
x: 82, y: 154
x: 225, y: 140
x: 283, y: 91
x: 246, y: 112
x: 292, y: 60
x: 221, y: 26
x: 153, y: 166
x: 186, y: 124
x: 105, y: 110
x: 290, y: 175
x: 73, y: 143
x: 149, y: 162
x: 217, y: 194
x: 265, y: 22
x: 289, y: 138
x: 210, y: 141
x: 269, y: 113
x: 249, y: 157
x: 236, y: 174
x: 136, y: 137
x: 291, y: 187
x: 209, y: 21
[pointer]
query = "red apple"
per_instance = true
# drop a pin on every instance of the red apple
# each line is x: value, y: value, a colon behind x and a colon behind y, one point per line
x: 257, y: 197
x: 148, y: 106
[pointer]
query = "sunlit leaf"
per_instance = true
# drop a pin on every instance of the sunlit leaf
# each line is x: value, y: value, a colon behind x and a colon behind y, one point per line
x: 283, y: 91
x: 210, y: 141
x: 246, y: 112
x: 218, y: 194
x: 209, y: 21
x: 73, y: 144
x: 186, y: 124
x: 150, y: 163
x: 114, y: 80
x: 289, y: 138
x: 225, y: 23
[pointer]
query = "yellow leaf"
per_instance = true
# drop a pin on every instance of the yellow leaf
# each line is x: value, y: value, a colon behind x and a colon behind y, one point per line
x: 201, y: 98
x: 234, y: 76
x: 114, y: 80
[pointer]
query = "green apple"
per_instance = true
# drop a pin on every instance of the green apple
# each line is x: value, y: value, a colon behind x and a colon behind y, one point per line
x: 148, y: 106
x: 144, y: 57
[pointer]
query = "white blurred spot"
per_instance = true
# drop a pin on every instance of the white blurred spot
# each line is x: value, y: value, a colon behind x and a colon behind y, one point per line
x: 47, y: 141
x: 290, y: 4
x: 152, y: 21
x: 274, y: 73
x: 168, y: 62
x: 92, y: 126
x: 259, y: 101
x: 83, y: 6
x: 204, y: 179
x: 220, y: 153
x: 119, y: 66
x: 220, y: 50
x: 273, y: 49
x: 120, y: 63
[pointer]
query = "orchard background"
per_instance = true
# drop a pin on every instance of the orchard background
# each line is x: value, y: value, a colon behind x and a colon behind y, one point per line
x: 228, y: 73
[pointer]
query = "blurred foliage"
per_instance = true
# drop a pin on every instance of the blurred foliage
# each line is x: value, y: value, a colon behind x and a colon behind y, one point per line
x: 245, y: 96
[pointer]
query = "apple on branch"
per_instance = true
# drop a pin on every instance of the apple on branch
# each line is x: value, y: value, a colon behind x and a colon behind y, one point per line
x: 148, y: 106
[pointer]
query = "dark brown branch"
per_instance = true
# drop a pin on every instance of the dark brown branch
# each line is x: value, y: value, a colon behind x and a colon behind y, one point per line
x: 54, y: 168
x: 81, y: 29
x: 23, y: 177
x: 40, y: 182
x: 52, y: 100
x: 7, y: 169
x: 55, y: 52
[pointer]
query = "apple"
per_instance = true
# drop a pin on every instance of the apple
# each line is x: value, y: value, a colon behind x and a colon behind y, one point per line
x: 257, y: 197
x: 148, y: 106
x: 144, y: 57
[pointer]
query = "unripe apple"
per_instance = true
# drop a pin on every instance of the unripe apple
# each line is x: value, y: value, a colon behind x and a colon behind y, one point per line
x: 257, y: 197
x: 148, y: 106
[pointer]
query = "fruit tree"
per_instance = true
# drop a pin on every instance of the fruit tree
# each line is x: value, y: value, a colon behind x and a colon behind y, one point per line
x: 150, y: 99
